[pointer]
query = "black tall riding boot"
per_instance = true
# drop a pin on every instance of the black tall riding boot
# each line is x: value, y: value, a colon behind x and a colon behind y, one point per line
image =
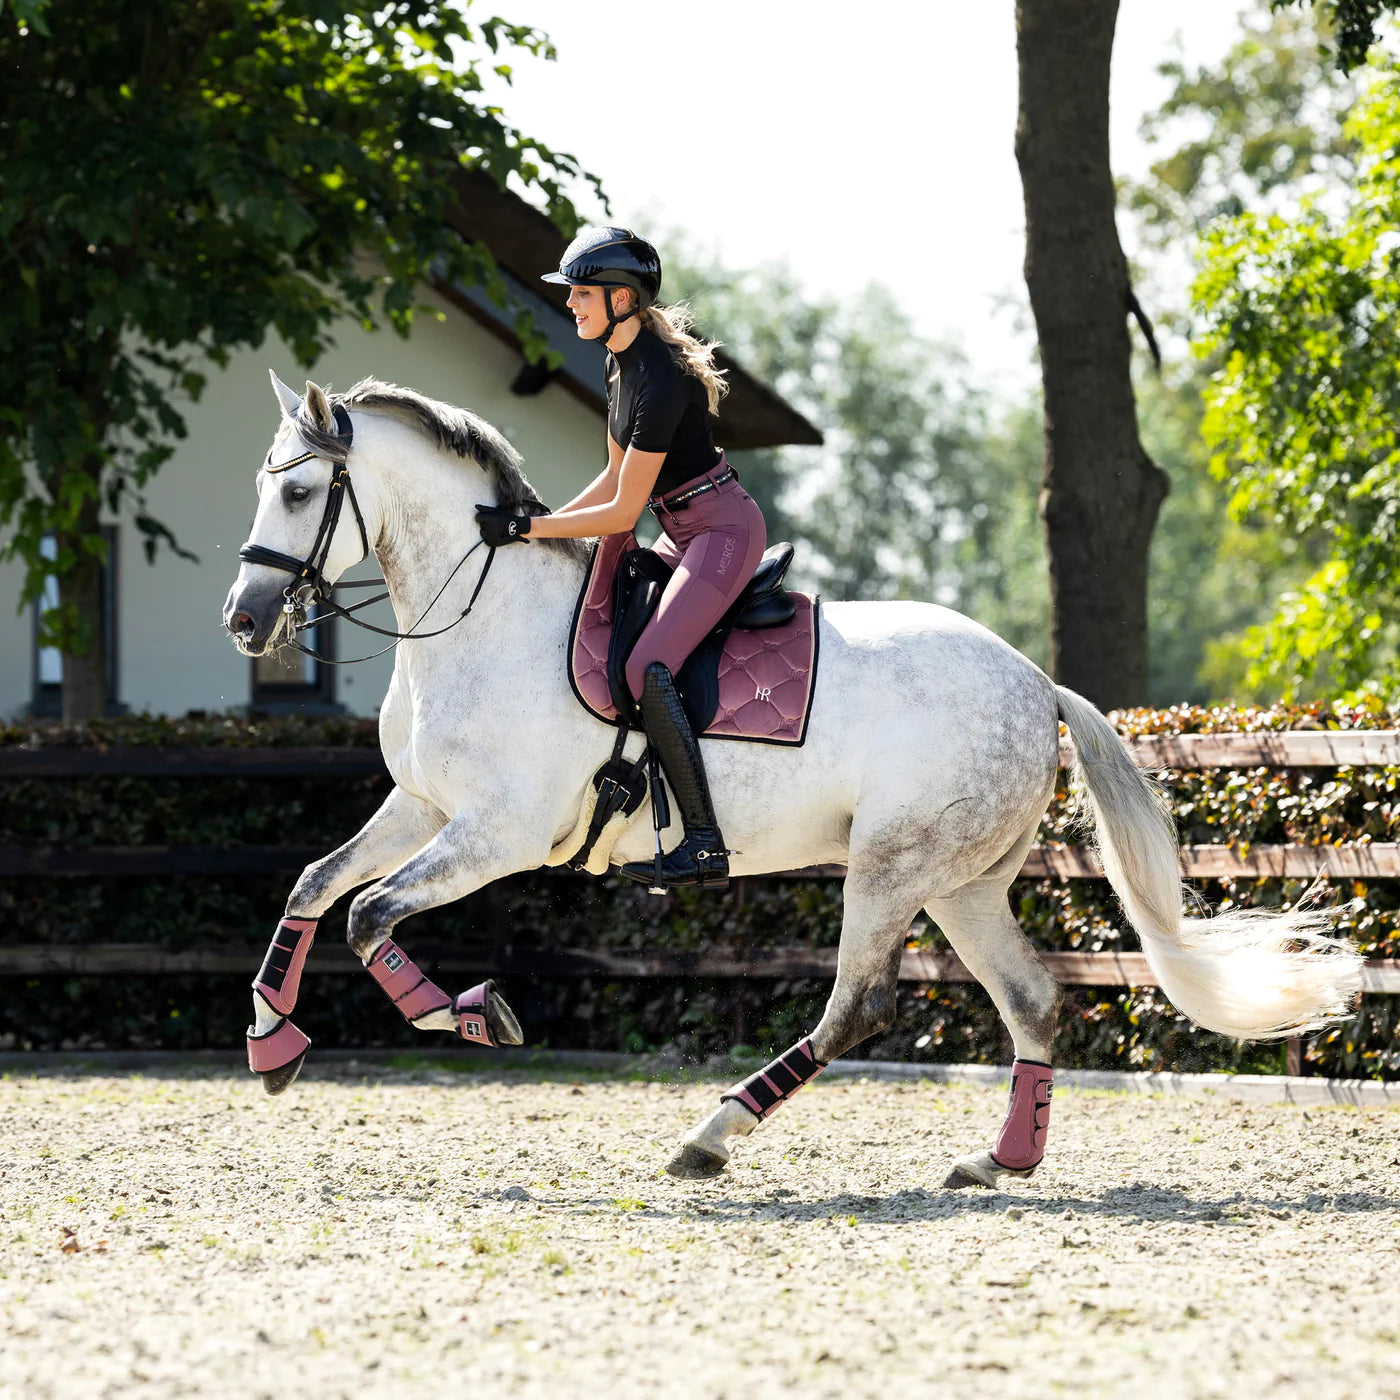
x: 700, y: 859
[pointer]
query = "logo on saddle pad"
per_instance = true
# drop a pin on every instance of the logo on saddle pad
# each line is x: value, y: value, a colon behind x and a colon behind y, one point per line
x: 762, y: 692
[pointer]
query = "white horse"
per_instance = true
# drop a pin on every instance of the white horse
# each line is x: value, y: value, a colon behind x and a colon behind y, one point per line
x: 929, y: 761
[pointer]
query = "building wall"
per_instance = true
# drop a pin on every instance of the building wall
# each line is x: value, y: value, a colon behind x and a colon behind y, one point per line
x: 173, y: 655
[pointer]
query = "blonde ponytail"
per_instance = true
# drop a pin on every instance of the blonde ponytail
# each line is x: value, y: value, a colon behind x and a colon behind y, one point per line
x: 672, y: 324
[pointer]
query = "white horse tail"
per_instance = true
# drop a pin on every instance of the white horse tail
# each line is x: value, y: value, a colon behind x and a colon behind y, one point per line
x: 1248, y: 973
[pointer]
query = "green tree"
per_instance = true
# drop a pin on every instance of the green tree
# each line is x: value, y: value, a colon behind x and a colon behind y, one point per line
x: 1304, y: 317
x: 1213, y: 576
x: 1263, y: 126
x: 180, y: 179
x: 1265, y: 122
x: 1354, y: 23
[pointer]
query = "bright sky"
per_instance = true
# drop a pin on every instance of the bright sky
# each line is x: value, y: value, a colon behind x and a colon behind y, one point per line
x: 858, y: 142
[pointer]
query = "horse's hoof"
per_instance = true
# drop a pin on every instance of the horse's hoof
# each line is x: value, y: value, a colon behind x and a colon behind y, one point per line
x: 971, y: 1171
x: 694, y: 1163
x: 958, y: 1178
x: 500, y: 1019
x: 982, y: 1170
x: 278, y: 1081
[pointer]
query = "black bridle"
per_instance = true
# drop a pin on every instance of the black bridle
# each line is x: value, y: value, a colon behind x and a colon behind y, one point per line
x: 309, y: 573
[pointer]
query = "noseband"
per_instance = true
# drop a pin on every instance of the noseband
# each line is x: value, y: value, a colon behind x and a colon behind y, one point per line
x: 310, y: 572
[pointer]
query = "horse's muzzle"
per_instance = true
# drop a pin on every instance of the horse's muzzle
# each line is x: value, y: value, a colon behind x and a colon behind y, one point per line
x: 253, y: 617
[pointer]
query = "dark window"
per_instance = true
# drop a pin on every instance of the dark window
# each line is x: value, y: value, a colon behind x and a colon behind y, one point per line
x: 48, y: 661
x: 287, y: 680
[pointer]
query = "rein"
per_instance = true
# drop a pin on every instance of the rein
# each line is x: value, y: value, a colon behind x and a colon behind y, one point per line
x: 309, y: 572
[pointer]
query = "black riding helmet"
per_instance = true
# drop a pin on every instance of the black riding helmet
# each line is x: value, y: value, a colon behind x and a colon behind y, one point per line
x: 611, y: 257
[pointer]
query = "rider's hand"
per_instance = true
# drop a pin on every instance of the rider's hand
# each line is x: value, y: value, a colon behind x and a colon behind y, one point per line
x: 501, y: 526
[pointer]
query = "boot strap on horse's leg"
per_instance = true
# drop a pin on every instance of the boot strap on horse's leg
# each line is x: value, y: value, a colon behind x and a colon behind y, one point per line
x: 777, y: 1082
x: 417, y: 997
x: 279, y: 979
x: 404, y: 983
x: 1021, y: 1144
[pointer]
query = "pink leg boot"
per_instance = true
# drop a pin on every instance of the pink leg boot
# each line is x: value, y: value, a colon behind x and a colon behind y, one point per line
x: 1021, y: 1143
x: 277, y: 1054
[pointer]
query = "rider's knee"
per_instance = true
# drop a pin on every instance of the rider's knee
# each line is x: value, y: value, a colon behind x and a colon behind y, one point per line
x: 636, y: 674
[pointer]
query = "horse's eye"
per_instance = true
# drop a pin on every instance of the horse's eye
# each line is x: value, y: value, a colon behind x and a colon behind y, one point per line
x: 294, y: 495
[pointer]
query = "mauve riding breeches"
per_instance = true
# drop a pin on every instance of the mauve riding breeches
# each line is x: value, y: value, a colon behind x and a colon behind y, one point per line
x: 714, y: 543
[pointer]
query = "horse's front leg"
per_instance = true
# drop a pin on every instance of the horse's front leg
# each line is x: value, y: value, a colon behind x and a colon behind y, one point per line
x: 461, y: 858
x: 404, y: 824
x: 862, y: 1002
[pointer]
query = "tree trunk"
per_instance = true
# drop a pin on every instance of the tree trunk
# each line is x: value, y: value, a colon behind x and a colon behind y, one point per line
x: 80, y: 594
x: 1101, y: 491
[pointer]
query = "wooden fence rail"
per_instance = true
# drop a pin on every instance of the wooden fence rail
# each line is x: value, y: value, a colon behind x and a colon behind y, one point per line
x: 1284, y: 749
x: 1126, y: 969
x: 1368, y: 861
x: 1294, y: 748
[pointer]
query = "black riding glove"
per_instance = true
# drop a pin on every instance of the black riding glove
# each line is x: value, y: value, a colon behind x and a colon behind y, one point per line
x: 500, y: 525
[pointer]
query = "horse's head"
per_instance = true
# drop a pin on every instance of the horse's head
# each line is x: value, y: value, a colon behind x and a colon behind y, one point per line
x: 307, y: 530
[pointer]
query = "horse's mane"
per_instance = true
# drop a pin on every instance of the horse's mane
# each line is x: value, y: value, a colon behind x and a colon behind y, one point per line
x: 450, y: 428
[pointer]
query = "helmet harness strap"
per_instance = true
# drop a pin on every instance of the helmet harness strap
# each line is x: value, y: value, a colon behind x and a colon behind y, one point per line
x: 614, y: 320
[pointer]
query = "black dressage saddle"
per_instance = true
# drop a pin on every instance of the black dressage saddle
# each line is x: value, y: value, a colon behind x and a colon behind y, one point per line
x: 642, y: 576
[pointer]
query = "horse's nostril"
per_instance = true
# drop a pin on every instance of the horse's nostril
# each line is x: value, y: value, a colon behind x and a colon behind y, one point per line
x: 242, y: 624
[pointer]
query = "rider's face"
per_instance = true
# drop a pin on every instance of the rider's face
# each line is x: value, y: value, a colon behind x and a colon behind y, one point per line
x: 590, y: 310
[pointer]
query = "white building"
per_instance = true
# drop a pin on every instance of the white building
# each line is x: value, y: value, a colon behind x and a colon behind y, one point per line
x: 169, y: 653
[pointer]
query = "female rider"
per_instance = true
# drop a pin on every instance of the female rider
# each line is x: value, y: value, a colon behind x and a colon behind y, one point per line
x: 663, y: 387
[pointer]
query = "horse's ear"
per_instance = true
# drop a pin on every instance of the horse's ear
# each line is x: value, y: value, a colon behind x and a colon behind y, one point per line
x: 319, y: 407
x: 287, y: 398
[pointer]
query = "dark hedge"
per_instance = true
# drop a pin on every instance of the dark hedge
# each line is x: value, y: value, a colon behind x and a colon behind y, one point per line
x: 949, y: 1022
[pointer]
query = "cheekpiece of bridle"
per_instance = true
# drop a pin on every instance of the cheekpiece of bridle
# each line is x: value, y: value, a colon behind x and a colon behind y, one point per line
x: 308, y: 572
x: 309, y: 577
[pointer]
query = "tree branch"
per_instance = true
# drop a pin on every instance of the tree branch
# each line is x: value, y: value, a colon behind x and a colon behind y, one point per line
x: 1145, y: 325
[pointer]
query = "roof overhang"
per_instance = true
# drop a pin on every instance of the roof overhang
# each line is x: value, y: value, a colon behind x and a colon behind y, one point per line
x: 526, y: 243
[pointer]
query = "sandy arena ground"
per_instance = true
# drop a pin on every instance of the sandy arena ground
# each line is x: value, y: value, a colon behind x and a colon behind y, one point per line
x: 417, y: 1232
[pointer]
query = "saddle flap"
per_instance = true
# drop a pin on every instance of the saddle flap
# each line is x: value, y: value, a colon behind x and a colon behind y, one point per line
x: 641, y: 579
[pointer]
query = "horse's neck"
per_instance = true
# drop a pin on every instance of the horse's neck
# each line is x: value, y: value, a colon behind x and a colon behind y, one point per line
x: 525, y: 599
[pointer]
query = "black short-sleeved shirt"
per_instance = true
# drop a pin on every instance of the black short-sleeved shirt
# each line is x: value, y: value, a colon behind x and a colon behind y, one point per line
x: 655, y: 406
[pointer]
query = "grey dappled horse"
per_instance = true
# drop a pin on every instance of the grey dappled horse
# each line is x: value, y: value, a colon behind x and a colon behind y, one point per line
x: 929, y: 761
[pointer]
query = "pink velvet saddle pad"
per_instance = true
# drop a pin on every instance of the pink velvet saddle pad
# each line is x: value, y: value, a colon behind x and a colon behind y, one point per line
x: 766, y: 678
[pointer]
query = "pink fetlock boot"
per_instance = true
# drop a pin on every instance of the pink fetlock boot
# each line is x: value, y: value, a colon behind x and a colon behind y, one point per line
x: 277, y: 1054
x: 1021, y: 1143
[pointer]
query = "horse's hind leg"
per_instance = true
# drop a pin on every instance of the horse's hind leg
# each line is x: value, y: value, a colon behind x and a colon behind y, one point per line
x: 276, y: 1048
x: 978, y: 922
x: 862, y: 1002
